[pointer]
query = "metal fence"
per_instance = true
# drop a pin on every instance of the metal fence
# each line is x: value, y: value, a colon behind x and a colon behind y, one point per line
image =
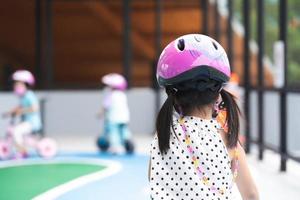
x: 261, y: 89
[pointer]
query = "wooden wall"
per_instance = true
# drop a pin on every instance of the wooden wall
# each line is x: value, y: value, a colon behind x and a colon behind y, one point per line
x: 88, y: 38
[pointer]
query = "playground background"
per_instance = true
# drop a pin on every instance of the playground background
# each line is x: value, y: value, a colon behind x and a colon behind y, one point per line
x: 70, y: 44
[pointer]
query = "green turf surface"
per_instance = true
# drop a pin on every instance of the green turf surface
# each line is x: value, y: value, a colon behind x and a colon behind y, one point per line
x: 28, y: 181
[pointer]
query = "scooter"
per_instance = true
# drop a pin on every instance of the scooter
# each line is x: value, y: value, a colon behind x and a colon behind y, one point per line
x: 104, y: 145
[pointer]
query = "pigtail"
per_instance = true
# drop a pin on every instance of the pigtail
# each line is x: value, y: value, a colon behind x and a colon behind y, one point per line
x: 164, y: 122
x: 232, y: 118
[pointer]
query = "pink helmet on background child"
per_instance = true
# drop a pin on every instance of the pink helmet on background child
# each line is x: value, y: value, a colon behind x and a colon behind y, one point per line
x: 115, y: 81
x: 192, y: 57
x: 24, y: 76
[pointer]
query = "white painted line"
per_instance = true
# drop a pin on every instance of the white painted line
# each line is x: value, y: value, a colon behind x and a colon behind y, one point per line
x: 112, y: 168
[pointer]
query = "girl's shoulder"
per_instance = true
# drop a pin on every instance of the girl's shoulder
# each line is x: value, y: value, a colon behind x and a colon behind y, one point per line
x: 117, y: 94
x: 154, y: 143
x: 30, y: 96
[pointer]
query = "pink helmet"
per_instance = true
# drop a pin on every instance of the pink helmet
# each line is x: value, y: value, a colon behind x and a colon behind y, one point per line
x: 24, y: 76
x: 115, y: 80
x: 192, y: 57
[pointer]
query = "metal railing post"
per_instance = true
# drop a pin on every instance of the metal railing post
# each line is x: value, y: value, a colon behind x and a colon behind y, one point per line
x: 38, y: 42
x: 204, y: 10
x: 49, y: 45
x: 260, y: 71
x: 246, y: 19
x: 127, y: 47
x: 158, y: 38
x: 283, y: 95
x: 230, y: 35
x: 217, y: 21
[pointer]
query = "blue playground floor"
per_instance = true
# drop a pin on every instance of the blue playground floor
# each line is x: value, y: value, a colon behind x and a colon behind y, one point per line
x: 128, y: 182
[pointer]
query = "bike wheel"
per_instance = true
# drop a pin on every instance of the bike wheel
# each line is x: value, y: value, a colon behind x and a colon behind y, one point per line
x: 47, y: 148
x: 5, y: 150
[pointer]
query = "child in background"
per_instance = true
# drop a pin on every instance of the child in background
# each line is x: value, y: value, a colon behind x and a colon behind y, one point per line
x: 192, y: 155
x: 116, y: 135
x: 28, y: 109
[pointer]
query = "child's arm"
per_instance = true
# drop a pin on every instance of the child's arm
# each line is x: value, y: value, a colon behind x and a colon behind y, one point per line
x: 244, y: 179
x: 32, y: 105
x: 13, y: 112
x: 31, y: 109
x: 100, y: 113
x: 20, y: 111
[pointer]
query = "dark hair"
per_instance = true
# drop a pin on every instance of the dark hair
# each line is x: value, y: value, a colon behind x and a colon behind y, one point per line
x: 164, y: 122
x: 232, y: 118
x: 185, y: 102
x: 29, y: 87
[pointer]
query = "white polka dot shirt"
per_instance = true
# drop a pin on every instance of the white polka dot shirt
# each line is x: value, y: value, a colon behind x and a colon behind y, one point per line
x: 173, y: 175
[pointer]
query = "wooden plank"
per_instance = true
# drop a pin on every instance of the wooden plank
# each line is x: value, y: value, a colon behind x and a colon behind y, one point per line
x: 92, y: 48
x: 115, y: 24
x: 85, y: 71
x: 150, y: 4
x: 70, y: 26
x: 73, y: 8
x: 17, y: 32
x: 174, y: 21
x: 181, y: 20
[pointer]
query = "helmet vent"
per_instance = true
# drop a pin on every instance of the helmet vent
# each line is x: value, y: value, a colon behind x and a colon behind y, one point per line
x: 214, y: 44
x: 181, y: 44
x: 197, y: 38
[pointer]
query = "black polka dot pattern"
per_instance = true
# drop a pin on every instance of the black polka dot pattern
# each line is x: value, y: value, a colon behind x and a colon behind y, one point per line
x: 173, y: 175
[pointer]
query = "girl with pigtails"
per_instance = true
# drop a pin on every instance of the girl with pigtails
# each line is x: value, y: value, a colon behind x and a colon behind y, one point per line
x: 193, y: 156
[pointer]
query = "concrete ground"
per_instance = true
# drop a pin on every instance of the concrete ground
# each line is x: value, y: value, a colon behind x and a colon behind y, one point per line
x: 272, y: 184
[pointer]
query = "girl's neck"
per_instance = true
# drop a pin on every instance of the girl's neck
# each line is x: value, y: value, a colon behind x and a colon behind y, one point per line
x: 204, y: 113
